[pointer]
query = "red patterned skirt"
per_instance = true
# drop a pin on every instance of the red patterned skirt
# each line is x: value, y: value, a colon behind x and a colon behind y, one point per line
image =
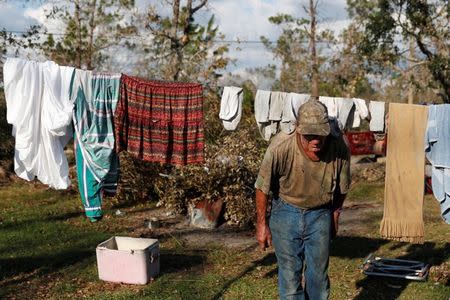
x: 160, y: 121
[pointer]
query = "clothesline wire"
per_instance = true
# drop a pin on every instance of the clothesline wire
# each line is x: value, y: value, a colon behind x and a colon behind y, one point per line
x: 238, y: 41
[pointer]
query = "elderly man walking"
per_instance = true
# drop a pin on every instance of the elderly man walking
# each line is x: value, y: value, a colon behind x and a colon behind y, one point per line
x: 308, y: 173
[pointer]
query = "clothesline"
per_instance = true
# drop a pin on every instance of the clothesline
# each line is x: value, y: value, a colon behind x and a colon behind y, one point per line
x: 154, y: 120
x: 237, y: 41
x: 276, y: 111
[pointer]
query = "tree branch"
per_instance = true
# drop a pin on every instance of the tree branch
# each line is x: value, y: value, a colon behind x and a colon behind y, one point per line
x: 203, y: 3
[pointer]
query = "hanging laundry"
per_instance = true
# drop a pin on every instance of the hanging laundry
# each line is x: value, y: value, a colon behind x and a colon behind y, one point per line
x: 437, y: 143
x: 262, y: 108
x: 338, y: 109
x: 277, y: 100
x: 361, y: 111
x: 404, y: 183
x: 335, y: 127
x: 331, y: 105
x: 160, y: 121
x: 95, y: 97
x: 376, y: 109
x: 231, y: 107
x: 292, y: 103
x: 38, y: 107
x: 344, y: 108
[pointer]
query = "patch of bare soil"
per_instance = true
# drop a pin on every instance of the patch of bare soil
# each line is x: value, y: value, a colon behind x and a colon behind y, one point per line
x: 162, y: 224
x: 355, y: 217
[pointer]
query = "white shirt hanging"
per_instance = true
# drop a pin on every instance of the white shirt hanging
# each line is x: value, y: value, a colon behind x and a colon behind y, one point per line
x: 231, y: 107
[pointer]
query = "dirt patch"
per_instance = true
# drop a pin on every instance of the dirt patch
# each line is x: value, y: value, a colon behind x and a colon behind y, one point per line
x: 353, y: 218
x: 177, y: 228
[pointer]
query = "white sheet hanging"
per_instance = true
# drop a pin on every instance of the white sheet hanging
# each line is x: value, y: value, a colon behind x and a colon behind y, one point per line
x: 38, y: 107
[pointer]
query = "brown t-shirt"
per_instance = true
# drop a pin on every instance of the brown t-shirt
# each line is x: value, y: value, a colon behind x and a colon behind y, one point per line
x: 291, y: 175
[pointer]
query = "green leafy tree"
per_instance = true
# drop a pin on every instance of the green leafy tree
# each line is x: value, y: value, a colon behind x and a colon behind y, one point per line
x: 179, y: 48
x: 91, y: 27
x: 12, y: 43
x: 421, y: 24
x: 290, y: 49
x: 347, y: 72
x: 301, y: 62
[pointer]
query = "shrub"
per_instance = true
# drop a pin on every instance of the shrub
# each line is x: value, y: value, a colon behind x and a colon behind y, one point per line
x: 6, y: 138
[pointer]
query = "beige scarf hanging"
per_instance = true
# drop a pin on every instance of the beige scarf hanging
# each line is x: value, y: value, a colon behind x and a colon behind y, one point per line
x: 405, y: 167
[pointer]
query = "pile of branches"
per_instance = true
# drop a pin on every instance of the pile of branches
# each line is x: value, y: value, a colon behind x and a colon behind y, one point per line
x: 229, y: 172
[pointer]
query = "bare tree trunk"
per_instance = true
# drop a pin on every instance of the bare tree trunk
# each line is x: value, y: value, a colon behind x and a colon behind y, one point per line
x: 78, y: 20
x: 312, y: 43
x: 91, y: 35
x: 410, y: 75
x: 175, y: 17
x: 282, y: 71
x: 349, y: 89
x: 174, y: 61
x: 181, y: 42
x: 178, y: 43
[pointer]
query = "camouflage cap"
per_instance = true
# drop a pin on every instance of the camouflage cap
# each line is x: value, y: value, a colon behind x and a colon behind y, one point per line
x: 312, y: 118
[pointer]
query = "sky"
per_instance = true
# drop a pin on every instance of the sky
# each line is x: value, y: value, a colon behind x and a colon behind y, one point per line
x: 237, y: 19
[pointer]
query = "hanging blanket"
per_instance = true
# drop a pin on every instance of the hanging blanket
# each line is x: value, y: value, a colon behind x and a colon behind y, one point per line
x: 38, y: 107
x: 404, y: 183
x: 160, y: 121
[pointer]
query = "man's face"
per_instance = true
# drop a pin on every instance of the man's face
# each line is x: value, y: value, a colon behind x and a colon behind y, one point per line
x: 313, y: 143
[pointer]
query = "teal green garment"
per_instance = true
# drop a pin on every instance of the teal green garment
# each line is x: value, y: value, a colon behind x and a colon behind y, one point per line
x: 95, y: 97
x: 89, y: 188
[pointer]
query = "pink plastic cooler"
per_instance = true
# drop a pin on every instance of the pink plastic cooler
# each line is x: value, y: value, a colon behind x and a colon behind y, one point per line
x: 128, y: 260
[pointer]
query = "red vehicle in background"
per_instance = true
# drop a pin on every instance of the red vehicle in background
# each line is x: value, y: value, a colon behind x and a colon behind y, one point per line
x: 364, y: 143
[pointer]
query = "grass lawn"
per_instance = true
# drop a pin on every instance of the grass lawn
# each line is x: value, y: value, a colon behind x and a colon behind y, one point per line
x: 47, y: 250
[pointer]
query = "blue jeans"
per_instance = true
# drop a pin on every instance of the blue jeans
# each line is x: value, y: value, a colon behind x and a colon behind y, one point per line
x: 301, y: 237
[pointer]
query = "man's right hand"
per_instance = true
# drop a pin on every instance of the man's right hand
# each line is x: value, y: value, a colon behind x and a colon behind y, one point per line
x: 263, y: 236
